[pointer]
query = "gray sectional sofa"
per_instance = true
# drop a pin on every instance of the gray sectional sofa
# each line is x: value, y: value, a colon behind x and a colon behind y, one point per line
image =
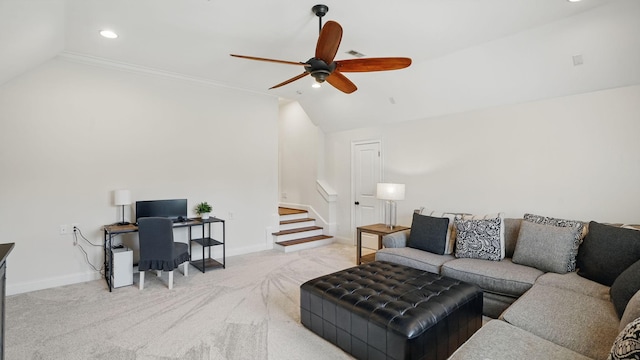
x: 537, y: 313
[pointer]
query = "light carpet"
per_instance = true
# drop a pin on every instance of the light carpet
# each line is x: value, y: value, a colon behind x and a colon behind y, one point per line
x: 250, y: 310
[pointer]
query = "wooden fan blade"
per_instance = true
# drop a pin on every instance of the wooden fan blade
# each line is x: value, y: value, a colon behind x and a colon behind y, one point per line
x: 290, y: 80
x: 372, y: 64
x: 329, y: 41
x: 341, y: 82
x: 269, y: 60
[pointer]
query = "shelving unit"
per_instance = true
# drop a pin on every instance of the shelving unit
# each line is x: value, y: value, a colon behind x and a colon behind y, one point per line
x: 206, y: 242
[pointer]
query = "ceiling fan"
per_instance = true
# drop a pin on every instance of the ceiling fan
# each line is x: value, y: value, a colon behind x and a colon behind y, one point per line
x: 323, y: 67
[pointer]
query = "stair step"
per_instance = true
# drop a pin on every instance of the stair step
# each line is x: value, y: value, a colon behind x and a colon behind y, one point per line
x: 290, y: 211
x: 296, y: 224
x: 299, y: 230
x: 303, y: 240
x: 287, y: 222
x: 303, y: 244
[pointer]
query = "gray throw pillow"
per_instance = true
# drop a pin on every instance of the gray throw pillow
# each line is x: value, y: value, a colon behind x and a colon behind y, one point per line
x: 626, y: 285
x: 545, y: 247
x: 578, y: 225
x: 429, y: 233
x: 607, y: 251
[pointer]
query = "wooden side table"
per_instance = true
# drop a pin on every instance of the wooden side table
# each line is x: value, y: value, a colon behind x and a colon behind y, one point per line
x: 377, y: 229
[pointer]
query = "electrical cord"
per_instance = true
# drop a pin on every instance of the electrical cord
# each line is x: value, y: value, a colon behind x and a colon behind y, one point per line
x: 76, y: 231
x: 86, y: 258
x: 75, y: 236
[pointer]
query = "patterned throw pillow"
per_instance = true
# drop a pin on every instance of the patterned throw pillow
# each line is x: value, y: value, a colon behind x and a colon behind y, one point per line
x: 579, y: 233
x: 480, y: 238
x: 627, y: 344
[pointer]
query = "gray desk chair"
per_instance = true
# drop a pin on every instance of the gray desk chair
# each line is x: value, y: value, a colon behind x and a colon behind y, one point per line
x: 158, y: 251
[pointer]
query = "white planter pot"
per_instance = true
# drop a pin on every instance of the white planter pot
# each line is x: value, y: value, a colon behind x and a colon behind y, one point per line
x: 204, y: 216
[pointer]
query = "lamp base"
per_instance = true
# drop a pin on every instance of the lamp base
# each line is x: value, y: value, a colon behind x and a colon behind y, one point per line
x: 391, y: 214
x: 123, y: 223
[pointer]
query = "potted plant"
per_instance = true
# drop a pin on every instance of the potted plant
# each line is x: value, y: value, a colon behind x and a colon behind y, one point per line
x: 203, y: 209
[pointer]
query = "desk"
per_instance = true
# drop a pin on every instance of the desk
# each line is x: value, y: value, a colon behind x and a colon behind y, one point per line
x: 376, y: 229
x: 114, y: 229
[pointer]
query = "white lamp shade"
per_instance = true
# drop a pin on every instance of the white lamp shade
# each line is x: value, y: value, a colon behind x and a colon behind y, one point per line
x: 388, y: 191
x: 122, y: 197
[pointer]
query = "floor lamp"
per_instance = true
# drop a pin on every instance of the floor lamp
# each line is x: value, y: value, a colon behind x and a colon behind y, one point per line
x: 122, y: 198
x: 390, y: 192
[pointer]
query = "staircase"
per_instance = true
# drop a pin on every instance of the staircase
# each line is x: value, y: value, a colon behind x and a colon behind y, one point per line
x: 298, y: 231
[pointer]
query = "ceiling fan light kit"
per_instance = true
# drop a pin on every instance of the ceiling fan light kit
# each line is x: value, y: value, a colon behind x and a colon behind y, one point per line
x: 322, y: 66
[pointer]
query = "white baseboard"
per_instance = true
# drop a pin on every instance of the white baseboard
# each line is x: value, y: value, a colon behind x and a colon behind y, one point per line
x: 19, y: 288
x: 13, y: 289
x: 343, y: 240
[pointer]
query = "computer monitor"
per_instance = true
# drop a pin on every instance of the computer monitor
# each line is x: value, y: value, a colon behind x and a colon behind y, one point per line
x: 173, y: 209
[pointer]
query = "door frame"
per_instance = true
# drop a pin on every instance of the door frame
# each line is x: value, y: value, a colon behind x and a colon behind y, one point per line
x: 353, y: 186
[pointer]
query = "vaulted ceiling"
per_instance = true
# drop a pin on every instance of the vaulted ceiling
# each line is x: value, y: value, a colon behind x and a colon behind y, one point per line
x: 467, y: 54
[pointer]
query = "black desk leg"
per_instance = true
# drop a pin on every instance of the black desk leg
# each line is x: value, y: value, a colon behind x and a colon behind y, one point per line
x: 108, y: 258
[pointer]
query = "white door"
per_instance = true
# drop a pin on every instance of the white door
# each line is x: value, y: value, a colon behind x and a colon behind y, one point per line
x: 366, y: 173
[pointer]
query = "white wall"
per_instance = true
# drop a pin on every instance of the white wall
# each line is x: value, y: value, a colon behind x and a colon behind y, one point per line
x: 301, y: 153
x: 574, y: 157
x: 71, y: 133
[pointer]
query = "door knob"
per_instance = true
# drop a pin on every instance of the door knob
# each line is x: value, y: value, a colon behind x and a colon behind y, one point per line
x: 357, y: 202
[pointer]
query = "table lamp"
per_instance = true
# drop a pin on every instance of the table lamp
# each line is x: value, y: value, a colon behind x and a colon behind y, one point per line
x: 390, y: 193
x: 122, y: 198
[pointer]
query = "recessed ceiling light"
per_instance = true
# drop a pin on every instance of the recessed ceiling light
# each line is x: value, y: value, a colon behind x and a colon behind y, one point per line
x: 574, y: 0
x: 108, y: 34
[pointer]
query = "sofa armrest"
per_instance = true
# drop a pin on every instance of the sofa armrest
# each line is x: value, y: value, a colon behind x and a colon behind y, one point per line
x: 396, y: 240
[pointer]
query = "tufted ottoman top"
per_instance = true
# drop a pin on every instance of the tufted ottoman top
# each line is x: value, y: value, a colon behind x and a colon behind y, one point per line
x: 403, y: 299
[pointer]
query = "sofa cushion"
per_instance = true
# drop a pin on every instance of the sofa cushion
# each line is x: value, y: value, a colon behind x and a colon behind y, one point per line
x: 572, y: 281
x: 414, y: 258
x: 451, y: 234
x: 429, y: 233
x: 500, y: 340
x: 582, y: 323
x: 632, y: 311
x: 607, y: 251
x: 501, y: 277
x: 625, y: 286
x: 480, y: 238
x: 579, y: 234
x: 545, y: 247
x: 511, y: 231
x: 627, y: 344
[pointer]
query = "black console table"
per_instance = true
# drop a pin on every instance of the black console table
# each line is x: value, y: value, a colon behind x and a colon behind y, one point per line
x: 5, y: 249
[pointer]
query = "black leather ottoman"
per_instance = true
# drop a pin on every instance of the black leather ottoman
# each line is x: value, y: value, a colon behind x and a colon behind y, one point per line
x: 382, y: 310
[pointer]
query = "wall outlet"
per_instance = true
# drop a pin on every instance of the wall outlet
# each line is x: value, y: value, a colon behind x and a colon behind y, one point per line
x: 74, y: 226
x: 63, y: 229
x: 231, y: 215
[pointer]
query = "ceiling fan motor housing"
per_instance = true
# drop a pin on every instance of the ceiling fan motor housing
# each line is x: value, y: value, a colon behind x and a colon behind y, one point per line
x: 319, y: 69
